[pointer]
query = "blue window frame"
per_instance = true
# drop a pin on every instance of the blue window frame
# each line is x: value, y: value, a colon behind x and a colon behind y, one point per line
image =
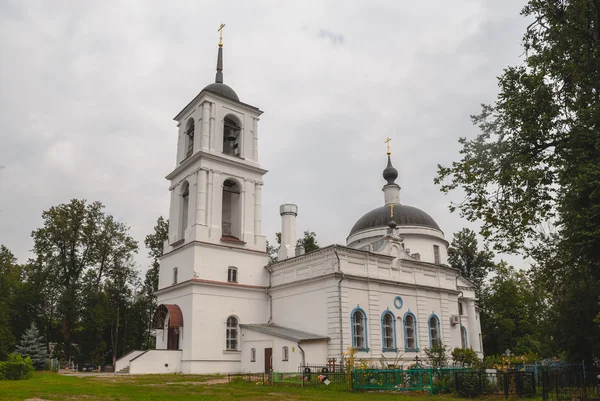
x: 388, y: 331
x: 463, y: 337
x: 410, y: 332
x: 435, y: 338
x: 358, y: 320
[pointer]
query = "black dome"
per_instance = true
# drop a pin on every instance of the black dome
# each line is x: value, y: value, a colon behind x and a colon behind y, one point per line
x: 223, y: 90
x: 390, y: 173
x: 403, y: 216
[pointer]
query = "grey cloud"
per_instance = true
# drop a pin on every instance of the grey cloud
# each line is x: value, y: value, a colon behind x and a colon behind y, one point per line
x: 89, y: 89
x: 333, y: 38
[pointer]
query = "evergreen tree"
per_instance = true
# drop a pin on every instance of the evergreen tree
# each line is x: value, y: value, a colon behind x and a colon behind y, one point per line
x: 32, y: 346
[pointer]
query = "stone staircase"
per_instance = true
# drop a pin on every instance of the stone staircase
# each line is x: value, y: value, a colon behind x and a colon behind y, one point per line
x: 125, y: 370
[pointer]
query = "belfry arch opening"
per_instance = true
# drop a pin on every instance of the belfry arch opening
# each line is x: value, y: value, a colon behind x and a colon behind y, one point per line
x: 231, y: 211
x: 189, y: 137
x: 232, y: 137
x: 185, y: 205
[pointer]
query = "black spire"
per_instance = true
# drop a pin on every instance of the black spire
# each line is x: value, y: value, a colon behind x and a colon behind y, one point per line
x: 390, y: 173
x: 219, y: 77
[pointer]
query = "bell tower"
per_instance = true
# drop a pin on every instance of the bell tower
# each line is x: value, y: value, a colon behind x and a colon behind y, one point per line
x: 216, y: 188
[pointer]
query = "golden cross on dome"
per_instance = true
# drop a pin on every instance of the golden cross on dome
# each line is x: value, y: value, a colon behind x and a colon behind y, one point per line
x: 221, y: 34
x: 387, y: 140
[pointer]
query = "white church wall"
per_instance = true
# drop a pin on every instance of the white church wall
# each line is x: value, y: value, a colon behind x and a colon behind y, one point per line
x: 374, y: 299
x: 303, y: 306
x: 156, y: 361
x: 211, y: 262
x: 181, y: 258
x: 315, y: 352
x: 212, y: 305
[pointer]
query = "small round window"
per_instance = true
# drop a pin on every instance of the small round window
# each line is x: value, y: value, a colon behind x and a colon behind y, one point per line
x: 398, y: 302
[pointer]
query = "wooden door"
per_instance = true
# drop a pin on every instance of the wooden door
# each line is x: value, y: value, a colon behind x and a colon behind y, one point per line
x: 268, y: 360
x: 173, y: 338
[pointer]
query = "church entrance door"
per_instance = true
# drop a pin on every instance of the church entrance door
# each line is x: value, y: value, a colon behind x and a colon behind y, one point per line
x: 173, y: 338
x: 268, y: 360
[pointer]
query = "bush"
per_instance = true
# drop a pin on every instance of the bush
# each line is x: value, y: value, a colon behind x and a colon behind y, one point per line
x: 467, y: 385
x: 465, y: 357
x: 437, y: 355
x: 16, y: 368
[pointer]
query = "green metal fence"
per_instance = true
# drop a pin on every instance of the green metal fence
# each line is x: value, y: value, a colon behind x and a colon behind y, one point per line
x: 431, y: 380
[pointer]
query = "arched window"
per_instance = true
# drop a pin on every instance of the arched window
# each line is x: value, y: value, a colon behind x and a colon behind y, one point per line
x: 359, y: 329
x: 388, y: 331
x: 231, y: 137
x: 434, y: 331
x: 463, y: 337
x: 189, y: 138
x: 175, y: 272
x: 253, y: 355
x: 231, y: 212
x: 185, y: 205
x: 285, y: 354
x: 232, y: 274
x: 410, y: 332
x: 232, y: 334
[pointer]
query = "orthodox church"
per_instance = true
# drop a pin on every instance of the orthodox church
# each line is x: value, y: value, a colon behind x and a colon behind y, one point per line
x: 223, y: 308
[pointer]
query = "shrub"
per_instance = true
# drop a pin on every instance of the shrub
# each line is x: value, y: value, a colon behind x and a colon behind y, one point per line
x: 16, y: 368
x: 467, y: 385
x: 436, y: 355
x: 465, y: 357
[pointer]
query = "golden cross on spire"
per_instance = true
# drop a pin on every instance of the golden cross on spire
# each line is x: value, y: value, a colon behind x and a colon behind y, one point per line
x: 221, y: 34
x: 387, y: 140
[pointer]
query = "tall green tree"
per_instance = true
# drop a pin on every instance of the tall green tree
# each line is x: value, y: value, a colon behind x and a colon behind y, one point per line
x: 9, y: 284
x: 532, y: 176
x: 146, y: 303
x: 513, y: 315
x: 464, y: 255
x: 77, y: 249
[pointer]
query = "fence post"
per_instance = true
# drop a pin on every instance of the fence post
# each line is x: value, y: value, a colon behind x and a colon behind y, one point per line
x: 431, y: 381
x: 545, y: 380
x: 505, y: 377
x: 456, y: 385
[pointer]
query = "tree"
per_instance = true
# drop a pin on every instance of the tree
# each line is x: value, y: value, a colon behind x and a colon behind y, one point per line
x: 147, y: 302
x: 514, y: 314
x: 78, y: 248
x: 465, y: 256
x: 32, y: 346
x: 9, y: 284
x: 532, y: 174
x: 309, y: 241
x: 437, y: 355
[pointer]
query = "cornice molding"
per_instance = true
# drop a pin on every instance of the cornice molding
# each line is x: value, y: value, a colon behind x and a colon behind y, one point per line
x: 214, y: 157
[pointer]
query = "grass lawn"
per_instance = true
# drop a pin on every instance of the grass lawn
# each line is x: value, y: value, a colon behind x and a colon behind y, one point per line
x: 52, y: 386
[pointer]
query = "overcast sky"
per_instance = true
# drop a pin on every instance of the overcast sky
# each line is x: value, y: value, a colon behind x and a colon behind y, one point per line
x: 88, y: 90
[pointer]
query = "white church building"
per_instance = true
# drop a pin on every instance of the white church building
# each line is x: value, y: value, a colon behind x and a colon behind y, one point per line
x: 222, y: 306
